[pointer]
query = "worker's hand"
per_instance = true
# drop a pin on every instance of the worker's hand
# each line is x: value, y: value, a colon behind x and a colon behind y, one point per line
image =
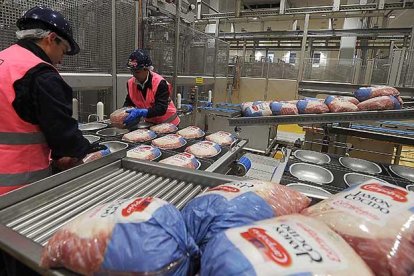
x: 96, y: 147
x: 65, y: 163
x: 134, y: 115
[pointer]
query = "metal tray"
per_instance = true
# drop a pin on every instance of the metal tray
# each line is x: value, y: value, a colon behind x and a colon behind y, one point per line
x: 312, y: 157
x: 92, y: 138
x: 112, y: 131
x: 360, y: 165
x: 92, y: 126
x: 312, y: 173
x: 403, y: 172
x: 115, y: 146
x: 26, y: 226
x: 309, y: 190
x: 352, y: 179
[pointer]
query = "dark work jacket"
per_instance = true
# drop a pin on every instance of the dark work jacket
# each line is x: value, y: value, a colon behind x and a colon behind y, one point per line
x: 45, y: 99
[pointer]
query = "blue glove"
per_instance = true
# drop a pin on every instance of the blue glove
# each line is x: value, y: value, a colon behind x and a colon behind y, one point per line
x: 134, y: 115
x: 105, y: 152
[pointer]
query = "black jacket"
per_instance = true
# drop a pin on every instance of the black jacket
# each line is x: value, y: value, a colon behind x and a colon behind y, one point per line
x: 43, y: 98
x: 162, y: 98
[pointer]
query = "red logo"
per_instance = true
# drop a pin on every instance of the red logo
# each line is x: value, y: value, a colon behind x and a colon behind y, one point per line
x: 268, y: 246
x: 224, y: 188
x: 394, y: 193
x: 138, y: 205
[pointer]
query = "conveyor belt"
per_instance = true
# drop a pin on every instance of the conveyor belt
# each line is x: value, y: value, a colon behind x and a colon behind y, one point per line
x: 403, y: 114
x: 33, y: 221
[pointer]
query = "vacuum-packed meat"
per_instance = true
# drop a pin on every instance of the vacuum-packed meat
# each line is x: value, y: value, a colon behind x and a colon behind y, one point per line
x: 236, y: 204
x: 377, y: 220
x: 312, y: 107
x: 257, y: 110
x: 164, y: 128
x: 138, y: 235
x: 191, y: 132
x: 144, y: 152
x: 365, y: 93
x: 283, y: 108
x: 118, y: 116
x: 288, y: 245
x: 184, y: 159
x: 340, y: 104
x: 139, y: 136
x: 380, y: 103
x: 170, y: 141
x: 204, y: 149
x: 222, y: 138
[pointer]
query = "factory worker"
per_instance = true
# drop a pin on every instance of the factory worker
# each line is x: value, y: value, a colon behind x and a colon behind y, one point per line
x: 36, y: 103
x: 148, y: 92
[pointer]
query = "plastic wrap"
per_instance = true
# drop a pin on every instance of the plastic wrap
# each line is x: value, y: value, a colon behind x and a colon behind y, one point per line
x: 170, y: 141
x: 164, y: 128
x: 341, y: 104
x: 144, y: 152
x: 257, y: 110
x: 139, y: 136
x: 222, y: 138
x: 312, y: 107
x: 283, y: 108
x: 380, y: 103
x: 204, y: 149
x: 191, y: 132
x: 140, y: 235
x: 365, y: 93
x: 236, y: 204
x: 184, y: 159
x: 93, y: 156
x: 288, y: 245
x: 118, y: 116
x: 377, y: 220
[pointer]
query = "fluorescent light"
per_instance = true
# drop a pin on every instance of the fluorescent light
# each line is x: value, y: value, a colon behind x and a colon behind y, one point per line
x: 392, y: 16
x: 323, y: 14
x: 254, y: 18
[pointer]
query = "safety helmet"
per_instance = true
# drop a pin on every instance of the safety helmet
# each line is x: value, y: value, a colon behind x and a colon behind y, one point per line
x: 53, y: 20
x: 139, y: 59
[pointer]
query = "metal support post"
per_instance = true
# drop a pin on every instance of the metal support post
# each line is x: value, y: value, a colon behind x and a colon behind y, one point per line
x: 303, y: 49
x: 199, y: 9
x: 216, y: 46
x: 114, y: 50
x: 336, y: 5
x: 195, y: 110
x: 282, y: 7
x: 381, y: 4
x: 238, y: 8
x: 176, y: 49
x: 267, y: 81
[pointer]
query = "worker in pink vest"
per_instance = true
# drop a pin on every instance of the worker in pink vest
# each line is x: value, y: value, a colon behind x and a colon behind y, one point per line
x: 148, y: 92
x: 36, y: 103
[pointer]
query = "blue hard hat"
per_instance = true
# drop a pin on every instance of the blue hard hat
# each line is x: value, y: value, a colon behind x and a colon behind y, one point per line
x: 139, y: 59
x: 53, y: 21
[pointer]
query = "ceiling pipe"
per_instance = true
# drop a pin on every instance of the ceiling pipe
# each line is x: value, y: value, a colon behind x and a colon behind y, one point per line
x: 238, y: 8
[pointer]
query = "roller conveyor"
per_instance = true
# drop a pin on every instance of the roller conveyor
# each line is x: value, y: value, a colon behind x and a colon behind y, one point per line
x: 26, y: 226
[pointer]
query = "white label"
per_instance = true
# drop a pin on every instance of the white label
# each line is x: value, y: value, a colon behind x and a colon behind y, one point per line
x: 287, y: 246
x: 234, y: 189
x: 373, y: 201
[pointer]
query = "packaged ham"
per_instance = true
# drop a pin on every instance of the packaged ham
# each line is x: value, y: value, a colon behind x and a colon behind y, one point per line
x: 380, y: 103
x: 204, y: 149
x: 139, y: 136
x: 348, y: 99
x: 164, y: 128
x: 222, y: 138
x: 137, y: 235
x: 144, y: 152
x: 95, y: 156
x: 257, y: 110
x: 118, y: 116
x: 365, y: 93
x: 312, y: 107
x: 377, y: 220
x: 170, y: 141
x: 283, y: 108
x: 184, y: 159
x: 245, y: 105
x: 191, y: 132
x: 238, y: 203
x: 340, y: 104
x: 288, y: 245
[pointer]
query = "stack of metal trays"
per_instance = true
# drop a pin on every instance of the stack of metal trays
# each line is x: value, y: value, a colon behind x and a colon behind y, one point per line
x: 27, y: 225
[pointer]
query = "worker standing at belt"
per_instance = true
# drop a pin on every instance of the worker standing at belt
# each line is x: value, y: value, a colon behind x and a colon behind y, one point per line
x: 148, y: 92
x: 36, y: 103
